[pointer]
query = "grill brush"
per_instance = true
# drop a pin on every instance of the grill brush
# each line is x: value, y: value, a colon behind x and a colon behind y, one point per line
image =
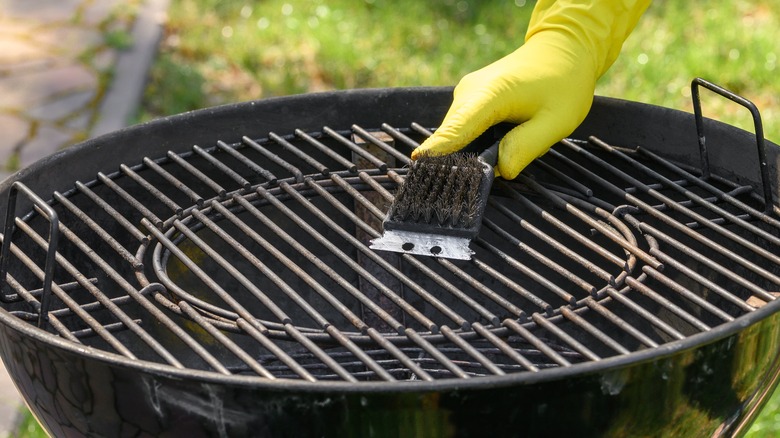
x: 438, y: 210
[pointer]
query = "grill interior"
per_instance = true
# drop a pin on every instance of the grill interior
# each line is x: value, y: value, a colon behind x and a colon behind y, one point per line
x: 252, y: 258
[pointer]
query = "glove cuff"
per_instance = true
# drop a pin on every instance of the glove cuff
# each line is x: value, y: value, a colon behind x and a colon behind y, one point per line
x: 595, y: 28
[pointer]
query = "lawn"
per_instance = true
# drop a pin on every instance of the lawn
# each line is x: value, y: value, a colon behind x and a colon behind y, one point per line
x: 218, y: 51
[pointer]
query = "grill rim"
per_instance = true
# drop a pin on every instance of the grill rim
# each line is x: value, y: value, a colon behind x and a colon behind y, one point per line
x: 764, y: 315
x: 223, y: 117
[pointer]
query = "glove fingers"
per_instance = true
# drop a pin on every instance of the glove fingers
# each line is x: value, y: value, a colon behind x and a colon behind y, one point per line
x: 462, y: 124
x: 527, y: 142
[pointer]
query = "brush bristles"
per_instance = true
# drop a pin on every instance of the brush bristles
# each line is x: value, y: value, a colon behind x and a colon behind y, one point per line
x: 442, y: 190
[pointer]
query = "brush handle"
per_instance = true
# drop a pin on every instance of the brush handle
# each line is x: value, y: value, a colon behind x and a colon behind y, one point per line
x: 490, y: 155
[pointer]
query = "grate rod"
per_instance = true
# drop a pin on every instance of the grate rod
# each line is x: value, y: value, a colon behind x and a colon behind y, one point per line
x: 555, y: 266
x: 99, y: 231
x: 554, y: 243
x: 194, y: 171
x: 420, y: 129
x: 620, y: 323
x: 536, y: 342
x: 562, y: 226
x: 251, y: 165
x: 365, y: 135
x: 644, y: 313
x: 399, y: 136
x: 348, y: 165
x: 530, y: 273
x: 175, y: 182
x: 381, y: 165
x: 664, y: 302
x: 154, y: 191
x: 691, y: 296
x: 593, y: 331
x: 471, y: 351
x: 293, y: 170
x: 257, y: 335
x: 565, y: 337
x: 108, y: 209
x: 504, y: 347
x: 308, y: 159
x: 145, y: 212
x: 224, y: 340
x: 618, y: 239
x: 516, y: 288
x: 580, y: 188
x: 484, y: 290
x: 222, y: 167
x: 405, y: 360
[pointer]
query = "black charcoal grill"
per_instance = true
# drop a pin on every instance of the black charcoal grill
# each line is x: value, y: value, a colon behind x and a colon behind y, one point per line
x: 209, y: 274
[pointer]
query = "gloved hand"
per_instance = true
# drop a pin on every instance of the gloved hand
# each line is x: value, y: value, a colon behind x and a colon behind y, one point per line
x: 546, y: 85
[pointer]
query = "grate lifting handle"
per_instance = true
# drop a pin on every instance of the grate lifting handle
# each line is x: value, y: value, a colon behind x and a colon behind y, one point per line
x: 757, y: 124
x: 51, y: 252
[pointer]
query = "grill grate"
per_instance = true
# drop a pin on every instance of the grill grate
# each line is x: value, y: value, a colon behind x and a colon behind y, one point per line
x: 252, y: 258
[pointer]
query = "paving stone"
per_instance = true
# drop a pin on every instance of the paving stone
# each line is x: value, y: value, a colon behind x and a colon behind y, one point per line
x: 80, y: 123
x: 32, y: 89
x: 10, y: 406
x: 104, y: 60
x: 25, y: 67
x: 69, y: 41
x: 14, y: 130
x: 15, y: 27
x: 62, y: 106
x: 48, y: 140
x: 17, y: 50
x: 97, y: 12
x: 45, y: 11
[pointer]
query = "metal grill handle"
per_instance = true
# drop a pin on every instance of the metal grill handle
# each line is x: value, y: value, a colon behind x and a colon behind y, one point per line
x: 51, y: 251
x: 758, y: 127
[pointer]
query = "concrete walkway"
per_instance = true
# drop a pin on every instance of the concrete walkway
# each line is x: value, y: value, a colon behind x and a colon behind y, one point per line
x: 69, y: 70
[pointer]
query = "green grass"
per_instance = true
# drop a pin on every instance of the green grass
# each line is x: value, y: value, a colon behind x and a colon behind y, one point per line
x: 733, y: 43
x: 29, y: 427
x: 217, y: 52
x: 243, y: 50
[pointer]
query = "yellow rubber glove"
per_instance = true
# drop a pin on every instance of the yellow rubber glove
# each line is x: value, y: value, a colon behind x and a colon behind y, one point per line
x: 546, y: 85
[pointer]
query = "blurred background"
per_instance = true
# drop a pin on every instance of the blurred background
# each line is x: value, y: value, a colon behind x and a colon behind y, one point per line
x: 214, y: 52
